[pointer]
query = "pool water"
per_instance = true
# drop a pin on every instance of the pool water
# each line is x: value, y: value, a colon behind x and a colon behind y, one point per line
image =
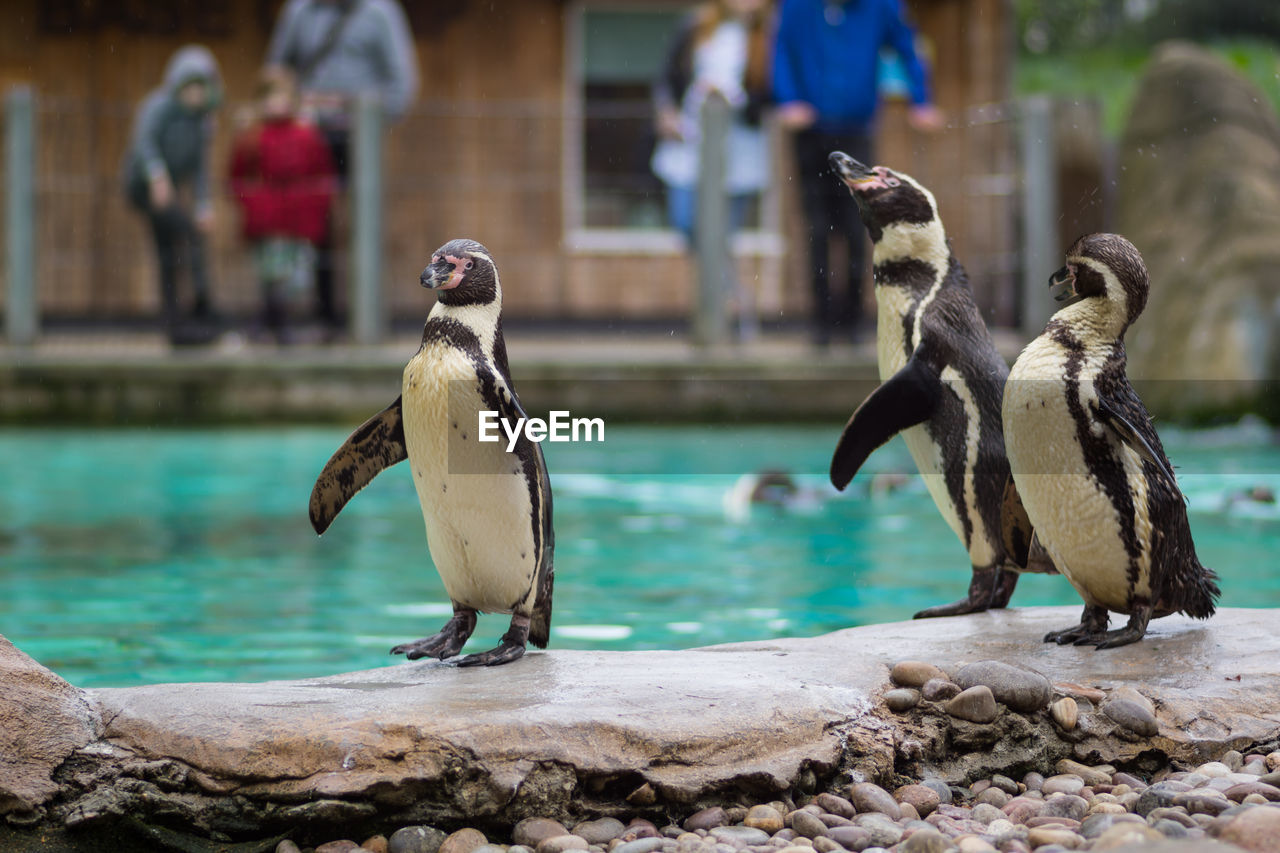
x: 147, y: 556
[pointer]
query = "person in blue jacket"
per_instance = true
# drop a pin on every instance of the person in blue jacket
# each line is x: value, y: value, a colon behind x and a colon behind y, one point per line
x: 825, y: 83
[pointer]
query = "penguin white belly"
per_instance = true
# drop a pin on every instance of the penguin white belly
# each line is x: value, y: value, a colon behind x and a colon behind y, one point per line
x: 475, y: 500
x: 1074, y: 518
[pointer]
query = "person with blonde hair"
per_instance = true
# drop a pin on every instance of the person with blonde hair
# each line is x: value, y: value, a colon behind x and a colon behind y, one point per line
x: 283, y: 176
x: 723, y: 47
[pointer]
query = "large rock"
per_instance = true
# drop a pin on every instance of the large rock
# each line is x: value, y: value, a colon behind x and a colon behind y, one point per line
x: 572, y: 734
x: 1200, y: 197
x: 43, y: 720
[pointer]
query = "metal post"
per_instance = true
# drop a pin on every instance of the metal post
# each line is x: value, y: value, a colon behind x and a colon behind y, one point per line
x: 21, y: 311
x: 711, y: 226
x: 368, y: 323
x: 1041, y: 254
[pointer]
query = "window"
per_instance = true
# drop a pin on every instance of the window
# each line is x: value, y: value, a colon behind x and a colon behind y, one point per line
x: 613, y: 201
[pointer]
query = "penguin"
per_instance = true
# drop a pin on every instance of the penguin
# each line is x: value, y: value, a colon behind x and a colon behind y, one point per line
x: 487, y: 511
x: 1087, y: 462
x: 942, y: 380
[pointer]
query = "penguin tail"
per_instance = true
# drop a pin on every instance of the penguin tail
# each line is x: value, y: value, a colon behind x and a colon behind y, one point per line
x: 1202, y: 594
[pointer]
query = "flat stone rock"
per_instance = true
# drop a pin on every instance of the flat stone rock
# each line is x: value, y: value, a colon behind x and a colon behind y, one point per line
x: 428, y: 743
x: 1013, y: 686
x: 43, y: 720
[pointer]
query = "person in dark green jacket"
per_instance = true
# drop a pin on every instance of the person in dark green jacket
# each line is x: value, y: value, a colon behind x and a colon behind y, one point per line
x: 166, y: 177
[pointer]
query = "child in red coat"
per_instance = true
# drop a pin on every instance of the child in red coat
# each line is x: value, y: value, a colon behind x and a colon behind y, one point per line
x: 283, y: 175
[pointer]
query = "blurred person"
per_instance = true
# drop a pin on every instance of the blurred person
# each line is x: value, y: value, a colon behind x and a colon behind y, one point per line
x: 339, y: 49
x: 166, y: 175
x: 722, y: 47
x: 825, y: 82
x: 283, y: 176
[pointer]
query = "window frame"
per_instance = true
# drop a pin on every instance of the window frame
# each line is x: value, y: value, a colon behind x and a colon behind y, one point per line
x: 580, y: 238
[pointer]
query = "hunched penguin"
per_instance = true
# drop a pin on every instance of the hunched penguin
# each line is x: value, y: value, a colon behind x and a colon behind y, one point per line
x: 1087, y: 462
x: 942, y: 382
x: 487, y: 511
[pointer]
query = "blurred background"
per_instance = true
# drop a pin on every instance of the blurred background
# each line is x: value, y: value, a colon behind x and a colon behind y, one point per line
x: 151, y: 489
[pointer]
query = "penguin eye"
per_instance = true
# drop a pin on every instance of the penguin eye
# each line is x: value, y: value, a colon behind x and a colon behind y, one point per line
x: 469, y: 265
x: 892, y: 182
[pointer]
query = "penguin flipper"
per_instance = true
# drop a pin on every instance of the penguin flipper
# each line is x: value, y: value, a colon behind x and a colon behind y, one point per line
x: 907, y: 398
x: 376, y: 444
x: 1129, y: 435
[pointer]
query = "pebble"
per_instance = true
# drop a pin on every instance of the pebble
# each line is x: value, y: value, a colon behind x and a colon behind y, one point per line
x: 1159, y: 794
x: 942, y: 789
x: 939, y: 689
x: 1130, y: 709
x: 1200, y: 801
x: 1065, y: 805
x: 1010, y: 787
x: 562, y: 844
x: 849, y: 837
x: 740, y: 836
x: 765, y: 818
x: 1125, y: 834
x: 925, y: 841
x: 640, y: 845
x: 1078, y: 691
x: 706, y: 819
x: 914, y: 673
x: 1256, y: 829
x: 533, y: 830
x: 1063, y: 783
x: 807, y: 824
x: 600, y: 831
x: 287, y: 846
x: 415, y: 839
x: 920, y: 797
x: 870, y: 797
x: 1086, y: 773
x: 376, y: 844
x: 464, y: 841
x: 902, y: 699
x: 343, y: 846
x: 1042, y: 835
x: 1066, y: 713
x: 976, y: 704
x: 831, y: 804
x: 1238, y: 792
x: 1020, y: 689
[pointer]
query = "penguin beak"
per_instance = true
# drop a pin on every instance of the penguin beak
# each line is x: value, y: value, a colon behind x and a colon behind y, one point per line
x: 858, y: 176
x: 1062, y: 285
x: 443, y: 273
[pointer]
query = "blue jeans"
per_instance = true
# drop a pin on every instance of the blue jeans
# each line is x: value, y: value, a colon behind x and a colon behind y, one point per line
x: 682, y: 210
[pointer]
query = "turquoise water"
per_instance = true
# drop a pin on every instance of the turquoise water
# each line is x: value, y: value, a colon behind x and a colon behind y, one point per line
x: 146, y: 556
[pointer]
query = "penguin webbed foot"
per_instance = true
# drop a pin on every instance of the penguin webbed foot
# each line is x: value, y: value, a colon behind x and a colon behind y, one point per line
x: 1130, y: 633
x: 1091, y: 630
x: 990, y: 588
x: 511, y: 648
x: 444, y: 644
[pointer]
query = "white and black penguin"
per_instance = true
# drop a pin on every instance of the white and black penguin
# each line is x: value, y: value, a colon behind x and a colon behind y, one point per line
x: 487, y: 511
x: 1091, y: 471
x: 942, y: 380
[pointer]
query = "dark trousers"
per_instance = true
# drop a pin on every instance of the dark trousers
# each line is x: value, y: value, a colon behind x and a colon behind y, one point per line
x: 832, y: 217
x: 179, y: 245
x: 326, y: 261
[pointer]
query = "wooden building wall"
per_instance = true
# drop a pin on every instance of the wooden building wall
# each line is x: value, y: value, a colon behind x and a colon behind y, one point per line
x: 480, y: 155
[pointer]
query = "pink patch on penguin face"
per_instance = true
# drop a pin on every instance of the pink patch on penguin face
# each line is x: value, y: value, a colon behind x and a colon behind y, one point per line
x: 460, y: 268
x: 879, y: 179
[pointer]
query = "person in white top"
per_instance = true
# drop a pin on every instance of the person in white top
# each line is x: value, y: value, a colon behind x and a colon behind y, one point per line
x: 723, y: 46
